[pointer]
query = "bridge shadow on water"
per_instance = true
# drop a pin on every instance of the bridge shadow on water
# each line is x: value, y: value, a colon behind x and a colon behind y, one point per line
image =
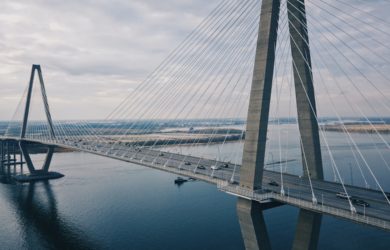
x: 35, y: 206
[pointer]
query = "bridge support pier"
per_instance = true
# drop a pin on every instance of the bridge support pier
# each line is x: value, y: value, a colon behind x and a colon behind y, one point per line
x: 10, y: 156
x: 30, y: 165
x: 308, y: 230
x: 5, y: 154
x: 37, y: 174
x: 253, y: 227
x: 1, y: 153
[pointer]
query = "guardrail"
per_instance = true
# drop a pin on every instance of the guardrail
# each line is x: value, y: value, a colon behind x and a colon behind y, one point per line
x: 244, y: 192
x: 342, y: 213
x: 261, y: 196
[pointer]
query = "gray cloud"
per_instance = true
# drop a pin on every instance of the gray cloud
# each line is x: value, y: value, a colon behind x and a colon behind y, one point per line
x: 84, y: 45
x: 94, y: 52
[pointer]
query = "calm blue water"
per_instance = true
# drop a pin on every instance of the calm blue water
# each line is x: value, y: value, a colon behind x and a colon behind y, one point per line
x: 108, y: 204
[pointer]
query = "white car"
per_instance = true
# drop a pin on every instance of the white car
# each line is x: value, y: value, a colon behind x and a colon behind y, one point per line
x: 215, y: 167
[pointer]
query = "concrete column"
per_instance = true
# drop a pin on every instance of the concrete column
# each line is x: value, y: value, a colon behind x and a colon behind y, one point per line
x: 304, y: 89
x: 308, y: 230
x: 21, y: 160
x: 251, y: 172
x: 28, y: 101
x: 29, y: 163
x: 44, y: 99
x: 8, y: 155
x: 46, y: 164
x: 49, y: 156
x: 14, y: 154
x: 253, y: 227
x: 45, y: 102
x: 1, y: 153
x: 309, y: 223
x: 14, y: 150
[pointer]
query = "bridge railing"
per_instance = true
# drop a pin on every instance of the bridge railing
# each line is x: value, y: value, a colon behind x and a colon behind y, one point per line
x: 309, y: 205
x: 244, y: 192
x: 339, y: 212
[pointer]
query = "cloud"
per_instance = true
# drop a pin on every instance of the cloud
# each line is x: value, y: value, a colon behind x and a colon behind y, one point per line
x: 94, y: 53
x: 85, y: 47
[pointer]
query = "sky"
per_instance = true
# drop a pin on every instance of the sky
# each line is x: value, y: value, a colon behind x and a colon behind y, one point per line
x: 94, y: 53
x: 91, y: 52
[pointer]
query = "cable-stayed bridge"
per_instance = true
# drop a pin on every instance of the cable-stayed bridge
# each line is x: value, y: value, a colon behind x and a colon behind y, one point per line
x: 242, y: 56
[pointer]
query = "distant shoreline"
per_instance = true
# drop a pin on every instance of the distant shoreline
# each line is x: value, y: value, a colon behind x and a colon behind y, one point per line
x: 358, y: 128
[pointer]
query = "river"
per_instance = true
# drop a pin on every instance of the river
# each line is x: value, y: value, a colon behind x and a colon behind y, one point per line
x: 108, y: 204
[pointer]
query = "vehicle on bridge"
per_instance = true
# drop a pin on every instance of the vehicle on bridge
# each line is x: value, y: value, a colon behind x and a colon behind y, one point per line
x: 360, y: 202
x: 215, y: 167
x: 201, y: 167
x: 343, y: 195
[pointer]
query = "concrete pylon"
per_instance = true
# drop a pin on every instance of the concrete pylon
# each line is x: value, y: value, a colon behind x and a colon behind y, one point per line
x: 44, y: 99
x: 250, y: 214
x: 304, y: 89
x: 23, y: 145
x: 251, y: 171
x: 309, y: 223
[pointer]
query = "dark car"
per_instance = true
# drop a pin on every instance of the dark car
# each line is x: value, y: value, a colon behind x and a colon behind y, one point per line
x: 273, y: 183
x: 360, y: 202
x: 187, y: 163
x: 225, y: 165
x: 201, y: 167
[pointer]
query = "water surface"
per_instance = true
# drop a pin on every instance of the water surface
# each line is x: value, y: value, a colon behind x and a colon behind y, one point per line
x: 108, y: 204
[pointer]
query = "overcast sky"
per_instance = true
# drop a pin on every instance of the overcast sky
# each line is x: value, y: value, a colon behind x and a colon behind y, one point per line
x: 93, y: 52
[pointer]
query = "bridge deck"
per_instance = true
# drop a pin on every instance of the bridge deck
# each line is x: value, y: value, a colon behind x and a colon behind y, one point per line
x: 297, y: 190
